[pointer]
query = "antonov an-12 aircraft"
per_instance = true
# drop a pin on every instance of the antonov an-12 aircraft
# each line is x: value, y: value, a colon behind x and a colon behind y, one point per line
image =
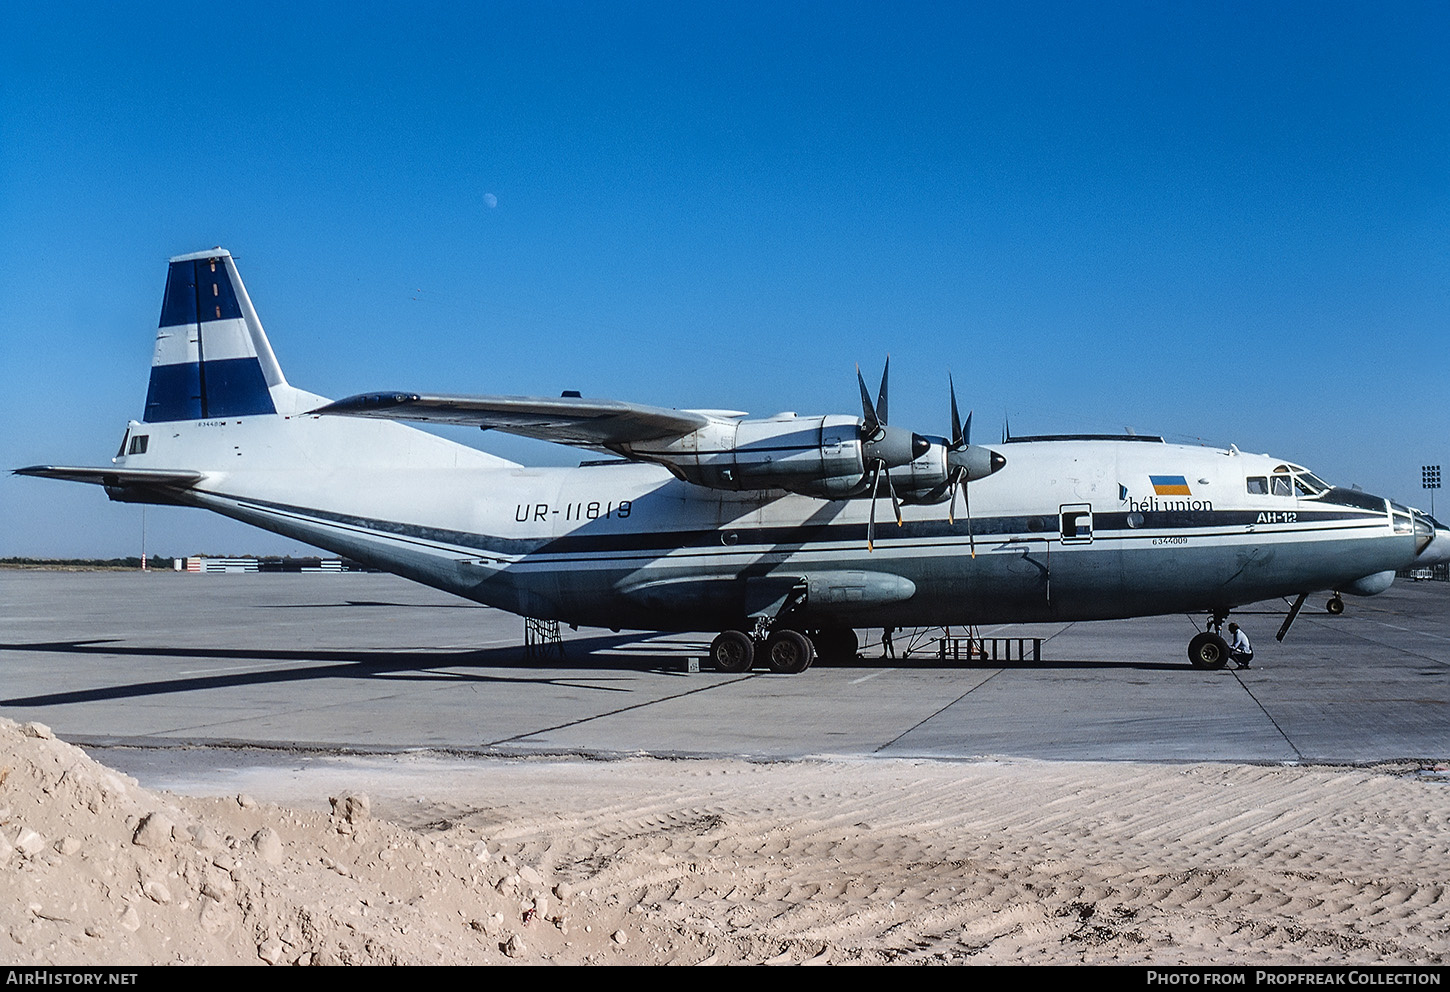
x: 762, y: 531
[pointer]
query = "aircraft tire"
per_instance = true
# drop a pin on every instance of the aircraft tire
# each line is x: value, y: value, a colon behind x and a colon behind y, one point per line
x: 789, y: 652
x: 1207, y: 651
x: 836, y: 644
x: 1335, y: 606
x: 732, y: 651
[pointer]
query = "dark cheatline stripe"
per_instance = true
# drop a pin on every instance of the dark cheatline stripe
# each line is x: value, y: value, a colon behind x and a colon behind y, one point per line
x: 235, y: 387
x: 779, y: 537
x: 198, y: 287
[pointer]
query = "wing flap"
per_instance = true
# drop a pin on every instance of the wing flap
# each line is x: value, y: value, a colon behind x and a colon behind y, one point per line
x: 566, y: 420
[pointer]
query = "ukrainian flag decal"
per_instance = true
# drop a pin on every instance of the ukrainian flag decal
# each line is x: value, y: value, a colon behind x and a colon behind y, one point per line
x: 1170, y: 485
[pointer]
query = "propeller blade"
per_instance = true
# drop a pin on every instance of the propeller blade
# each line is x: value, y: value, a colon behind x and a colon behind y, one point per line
x: 961, y: 433
x: 871, y: 520
x: 881, y: 396
x: 971, y: 538
x: 957, y: 437
x: 895, y: 503
x: 868, y: 412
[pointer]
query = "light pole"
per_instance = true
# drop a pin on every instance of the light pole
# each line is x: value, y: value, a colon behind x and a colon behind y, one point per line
x: 1431, y: 475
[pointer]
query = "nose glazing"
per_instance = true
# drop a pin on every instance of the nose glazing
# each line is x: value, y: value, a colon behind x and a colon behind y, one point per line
x: 1432, y: 540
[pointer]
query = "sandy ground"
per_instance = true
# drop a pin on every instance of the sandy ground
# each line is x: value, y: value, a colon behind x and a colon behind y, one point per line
x: 647, y: 861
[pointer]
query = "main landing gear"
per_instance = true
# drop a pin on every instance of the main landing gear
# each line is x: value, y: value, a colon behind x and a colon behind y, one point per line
x: 1208, y: 650
x: 733, y: 651
x: 785, y: 651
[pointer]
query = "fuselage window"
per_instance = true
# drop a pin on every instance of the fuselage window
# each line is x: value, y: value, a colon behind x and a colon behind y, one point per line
x: 1258, y: 485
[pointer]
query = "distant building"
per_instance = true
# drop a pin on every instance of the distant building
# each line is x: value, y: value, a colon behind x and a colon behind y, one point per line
x: 202, y: 563
x: 210, y: 565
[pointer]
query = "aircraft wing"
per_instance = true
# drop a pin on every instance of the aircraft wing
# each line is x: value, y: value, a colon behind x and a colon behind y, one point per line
x: 586, y: 423
x: 113, y: 477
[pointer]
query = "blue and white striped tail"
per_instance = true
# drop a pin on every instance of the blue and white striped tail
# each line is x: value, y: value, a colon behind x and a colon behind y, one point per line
x: 212, y: 358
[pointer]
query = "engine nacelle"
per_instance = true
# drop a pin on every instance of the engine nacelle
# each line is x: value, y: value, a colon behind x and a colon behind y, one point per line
x: 813, y: 456
x: 924, y: 479
x: 927, y: 479
x: 825, y: 457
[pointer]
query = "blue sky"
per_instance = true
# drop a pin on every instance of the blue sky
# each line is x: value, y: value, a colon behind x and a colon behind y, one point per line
x: 1221, y: 222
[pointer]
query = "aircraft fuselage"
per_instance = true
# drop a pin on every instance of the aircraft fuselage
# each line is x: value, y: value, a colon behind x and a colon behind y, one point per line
x: 1079, y: 530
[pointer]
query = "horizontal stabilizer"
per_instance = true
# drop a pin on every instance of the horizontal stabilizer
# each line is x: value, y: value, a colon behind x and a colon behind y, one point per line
x: 113, y: 477
x: 566, y: 420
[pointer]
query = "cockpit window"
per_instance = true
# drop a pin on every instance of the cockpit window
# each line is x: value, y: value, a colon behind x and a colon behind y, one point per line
x: 1258, y: 485
x: 1291, y: 480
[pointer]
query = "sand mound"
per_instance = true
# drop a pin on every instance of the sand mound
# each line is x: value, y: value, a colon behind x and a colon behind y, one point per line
x: 98, y: 870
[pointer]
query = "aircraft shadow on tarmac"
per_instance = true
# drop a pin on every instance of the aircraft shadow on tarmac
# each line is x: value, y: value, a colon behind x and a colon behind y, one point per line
x: 379, y: 663
x: 368, y: 602
x: 963, y: 664
x: 595, y: 655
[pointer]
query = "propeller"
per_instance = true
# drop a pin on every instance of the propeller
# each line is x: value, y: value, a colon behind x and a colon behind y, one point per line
x: 884, y: 447
x: 956, y: 468
x: 965, y: 463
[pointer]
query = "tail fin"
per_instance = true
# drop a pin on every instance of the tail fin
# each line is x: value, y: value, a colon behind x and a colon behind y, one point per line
x: 212, y: 357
